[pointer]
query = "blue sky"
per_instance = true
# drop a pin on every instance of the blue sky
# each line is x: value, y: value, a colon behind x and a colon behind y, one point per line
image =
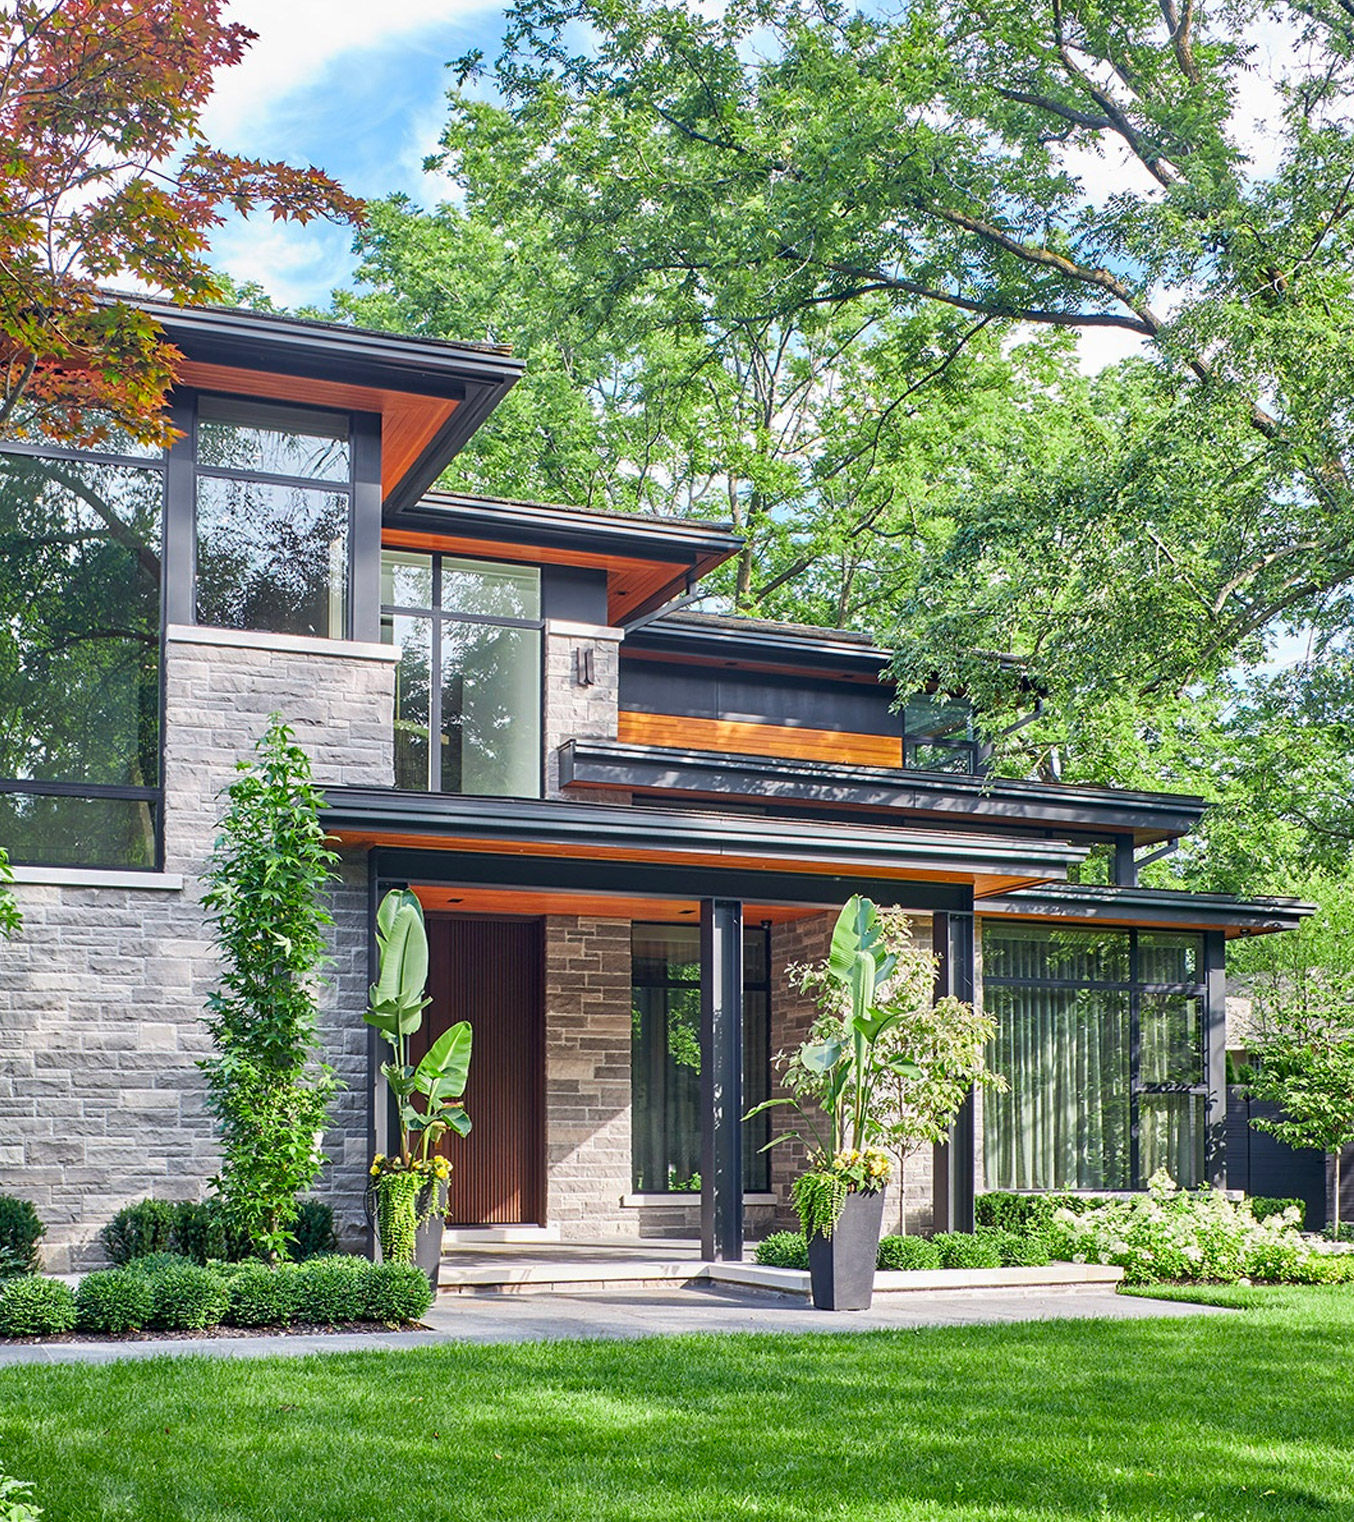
x: 354, y: 86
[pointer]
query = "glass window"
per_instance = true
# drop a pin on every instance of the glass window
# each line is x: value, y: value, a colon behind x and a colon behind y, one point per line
x: 1101, y: 1038
x: 666, y: 1058
x: 272, y: 552
x: 469, y: 673
x: 938, y: 733
x: 80, y: 658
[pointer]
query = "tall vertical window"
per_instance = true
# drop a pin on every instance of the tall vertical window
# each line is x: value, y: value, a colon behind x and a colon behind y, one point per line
x: 80, y: 554
x: 274, y: 508
x: 468, y: 682
x: 665, y: 1061
x: 1100, y: 1036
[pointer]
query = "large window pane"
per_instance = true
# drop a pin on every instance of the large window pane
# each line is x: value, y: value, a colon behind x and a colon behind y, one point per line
x: 406, y: 580
x: 1052, y: 953
x: 412, y: 637
x: 489, y: 590
x: 1171, y: 1039
x: 271, y: 557
x: 79, y: 624
x: 1065, y: 1121
x: 259, y: 438
x: 77, y: 832
x: 491, y: 710
x: 1171, y: 1136
x: 1164, y: 956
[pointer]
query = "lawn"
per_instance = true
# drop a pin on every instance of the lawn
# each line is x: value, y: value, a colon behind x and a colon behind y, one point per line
x: 1249, y: 1415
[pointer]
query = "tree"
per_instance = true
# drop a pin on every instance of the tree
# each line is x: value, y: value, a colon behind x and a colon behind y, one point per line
x: 1063, y: 166
x: 264, y: 891
x: 1301, y: 1044
x: 11, y: 919
x: 108, y: 177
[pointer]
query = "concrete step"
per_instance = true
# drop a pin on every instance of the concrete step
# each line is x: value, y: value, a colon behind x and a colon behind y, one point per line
x: 489, y: 1236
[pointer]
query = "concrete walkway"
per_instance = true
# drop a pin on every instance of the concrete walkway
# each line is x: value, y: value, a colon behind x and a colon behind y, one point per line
x: 646, y: 1313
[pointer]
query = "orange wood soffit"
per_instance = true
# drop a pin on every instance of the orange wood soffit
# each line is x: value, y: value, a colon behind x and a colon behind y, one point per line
x: 629, y: 582
x: 510, y: 901
x: 737, y: 737
x: 408, y: 422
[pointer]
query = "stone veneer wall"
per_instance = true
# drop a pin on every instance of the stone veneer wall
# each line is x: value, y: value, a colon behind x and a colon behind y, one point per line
x: 101, y: 996
x: 575, y: 711
x: 799, y: 942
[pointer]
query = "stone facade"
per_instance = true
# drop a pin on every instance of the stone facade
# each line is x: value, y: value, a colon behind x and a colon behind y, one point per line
x: 101, y: 996
x: 581, y: 676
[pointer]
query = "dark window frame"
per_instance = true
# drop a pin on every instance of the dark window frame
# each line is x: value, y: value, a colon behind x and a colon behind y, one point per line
x: 158, y: 461
x: 437, y: 616
x: 1136, y: 989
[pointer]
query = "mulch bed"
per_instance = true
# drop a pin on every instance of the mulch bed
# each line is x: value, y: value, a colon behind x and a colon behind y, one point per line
x: 211, y: 1333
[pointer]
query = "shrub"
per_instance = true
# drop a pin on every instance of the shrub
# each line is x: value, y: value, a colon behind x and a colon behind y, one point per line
x: 1018, y: 1249
x: 1274, y: 1261
x: 329, y: 1290
x: 260, y: 1295
x: 202, y: 1233
x: 155, y: 1262
x: 32, y: 1306
x: 395, y: 1292
x: 186, y: 1297
x: 962, y: 1249
x: 16, y: 1496
x: 783, y: 1249
x: 1263, y: 1206
x: 313, y: 1229
x: 902, y: 1253
x: 1029, y: 1213
x: 114, y: 1300
x: 138, y: 1230
x: 21, y: 1230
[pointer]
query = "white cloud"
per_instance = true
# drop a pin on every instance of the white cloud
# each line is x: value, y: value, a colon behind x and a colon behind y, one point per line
x: 298, y: 39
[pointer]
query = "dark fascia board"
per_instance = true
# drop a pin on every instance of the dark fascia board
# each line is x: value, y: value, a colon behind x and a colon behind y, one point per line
x: 627, y: 536
x: 476, y: 376
x: 1166, y: 908
x: 1149, y: 817
x: 825, y: 649
x: 565, y: 824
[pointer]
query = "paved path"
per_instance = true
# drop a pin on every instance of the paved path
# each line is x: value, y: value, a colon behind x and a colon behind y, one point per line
x: 640, y: 1313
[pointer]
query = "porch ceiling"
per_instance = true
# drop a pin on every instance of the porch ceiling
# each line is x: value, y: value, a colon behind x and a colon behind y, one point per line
x: 500, y: 902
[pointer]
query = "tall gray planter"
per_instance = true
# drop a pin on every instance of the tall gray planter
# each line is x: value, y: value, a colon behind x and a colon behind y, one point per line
x: 841, y: 1267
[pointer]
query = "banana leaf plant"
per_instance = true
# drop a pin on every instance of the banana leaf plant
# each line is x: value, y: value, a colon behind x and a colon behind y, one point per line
x: 841, y: 1065
x: 396, y: 1004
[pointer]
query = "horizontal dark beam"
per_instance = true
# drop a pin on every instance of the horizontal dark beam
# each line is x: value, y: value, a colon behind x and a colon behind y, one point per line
x: 1160, y: 907
x: 989, y: 801
x: 748, y: 641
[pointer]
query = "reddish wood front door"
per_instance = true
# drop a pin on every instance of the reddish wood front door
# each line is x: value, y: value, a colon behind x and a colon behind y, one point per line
x: 490, y: 972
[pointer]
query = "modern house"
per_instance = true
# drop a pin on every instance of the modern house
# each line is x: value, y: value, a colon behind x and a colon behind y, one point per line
x: 624, y: 822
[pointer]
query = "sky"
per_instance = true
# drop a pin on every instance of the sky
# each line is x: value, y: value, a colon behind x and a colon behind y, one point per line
x: 355, y: 87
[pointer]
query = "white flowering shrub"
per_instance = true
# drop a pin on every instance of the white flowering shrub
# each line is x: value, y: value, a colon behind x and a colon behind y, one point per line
x: 1176, y: 1234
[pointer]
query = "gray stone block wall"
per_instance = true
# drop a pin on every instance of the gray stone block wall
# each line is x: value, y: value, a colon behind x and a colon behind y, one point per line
x: 574, y: 710
x: 101, y: 996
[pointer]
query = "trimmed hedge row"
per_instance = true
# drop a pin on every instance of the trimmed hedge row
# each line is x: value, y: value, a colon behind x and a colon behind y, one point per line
x: 200, y: 1232
x: 168, y: 1292
x: 985, y: 1248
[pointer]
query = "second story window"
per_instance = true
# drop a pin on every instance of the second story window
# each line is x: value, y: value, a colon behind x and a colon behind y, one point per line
x: 273, y: 514
x: 468, y: 685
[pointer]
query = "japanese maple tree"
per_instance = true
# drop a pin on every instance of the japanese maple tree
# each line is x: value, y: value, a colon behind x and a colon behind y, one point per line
x: 109, y: 179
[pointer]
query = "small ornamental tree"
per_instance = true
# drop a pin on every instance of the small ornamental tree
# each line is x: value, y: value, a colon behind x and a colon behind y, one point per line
x: 270, y: 1095
x: 109, y: 178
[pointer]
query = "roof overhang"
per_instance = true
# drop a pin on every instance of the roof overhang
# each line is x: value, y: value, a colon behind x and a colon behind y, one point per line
x: 1156, y: 908
x: 625, y: 839
x: 431, y: 395
x: 648, y: 560
x: 784, y: 648
x: 658, y: 771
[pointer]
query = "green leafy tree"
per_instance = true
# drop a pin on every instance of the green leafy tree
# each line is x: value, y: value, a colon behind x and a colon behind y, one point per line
x: 265, y: 893
x: 11, y: 919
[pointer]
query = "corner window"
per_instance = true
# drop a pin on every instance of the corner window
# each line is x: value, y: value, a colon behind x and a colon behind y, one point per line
x: 468, y: 682
x: 80, y: 577
x: 1101, y: 1037
x: 273, y: 517
x: 665, y: 1061
x: 938, y: 734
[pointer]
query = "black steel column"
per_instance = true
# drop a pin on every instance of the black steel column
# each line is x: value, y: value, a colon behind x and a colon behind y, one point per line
x: 721, y: 1080
x: 1215, y: 1059
x: 955, y: 1162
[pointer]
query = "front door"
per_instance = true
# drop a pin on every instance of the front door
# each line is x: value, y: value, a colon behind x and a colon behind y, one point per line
x: 489, y: 972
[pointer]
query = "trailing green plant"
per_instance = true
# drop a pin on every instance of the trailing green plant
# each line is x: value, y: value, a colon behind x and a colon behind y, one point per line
x: 139, y: 1230
x: 34, y: 1306
x: 1263, y: 1206
x: 114, y: 1300
x: 268, y: 1091
x: 427, y: 1097
x: 16, y: 1500
x: 313, y: 1230
x: 330, y: 1290
x: 395, y: 1293
x: 21, y: 1230
x: 965, y: 1249
x: 186, y: 1296
x: 820, y: 1193
x: 899, y: 1254
x: 783, y: 1249
x: 11, y: 918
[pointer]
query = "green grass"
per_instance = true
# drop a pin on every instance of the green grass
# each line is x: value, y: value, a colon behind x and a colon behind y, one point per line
x: 1214, y: 1419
